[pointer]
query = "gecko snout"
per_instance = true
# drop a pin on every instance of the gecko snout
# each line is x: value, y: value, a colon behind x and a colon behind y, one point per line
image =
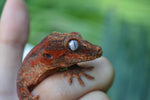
x: 99, y: 50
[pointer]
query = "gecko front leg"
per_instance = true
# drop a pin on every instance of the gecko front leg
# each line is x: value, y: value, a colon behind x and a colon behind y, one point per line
x: 77, y: 71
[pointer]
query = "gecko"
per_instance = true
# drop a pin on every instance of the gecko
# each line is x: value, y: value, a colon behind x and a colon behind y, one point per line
x: 57, y: 52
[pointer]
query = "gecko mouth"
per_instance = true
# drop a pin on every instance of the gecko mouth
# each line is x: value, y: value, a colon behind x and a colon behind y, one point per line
x: 82, y: 58
x: 92, y: 56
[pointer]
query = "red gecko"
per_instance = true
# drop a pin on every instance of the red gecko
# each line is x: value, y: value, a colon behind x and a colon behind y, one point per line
x: 54, y: 53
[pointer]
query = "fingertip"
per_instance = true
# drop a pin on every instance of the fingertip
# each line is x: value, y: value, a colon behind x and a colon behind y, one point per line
x: 14, y: 23
x: 95, y: 95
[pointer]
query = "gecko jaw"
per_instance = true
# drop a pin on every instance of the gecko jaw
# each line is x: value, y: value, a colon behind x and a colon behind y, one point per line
x: 91, y: 56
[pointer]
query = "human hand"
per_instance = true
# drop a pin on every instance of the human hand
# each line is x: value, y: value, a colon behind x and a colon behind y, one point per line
x: 14, y: 29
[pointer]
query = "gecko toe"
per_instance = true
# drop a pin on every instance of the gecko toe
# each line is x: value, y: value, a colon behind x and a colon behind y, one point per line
x: 88, y: 68
x: 70, y: 79
x: 80, y: 81
x: 35, y: 97
x: 87, y: 76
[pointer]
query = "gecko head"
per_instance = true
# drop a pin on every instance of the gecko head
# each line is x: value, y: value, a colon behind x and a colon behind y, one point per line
x: 64, y: 50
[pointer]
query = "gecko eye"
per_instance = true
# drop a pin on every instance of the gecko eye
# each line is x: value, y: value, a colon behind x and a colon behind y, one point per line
x: 47, y: 55
x: 73, y: 45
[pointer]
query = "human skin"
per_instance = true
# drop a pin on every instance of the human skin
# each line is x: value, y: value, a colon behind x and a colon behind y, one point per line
x: 14, y: 30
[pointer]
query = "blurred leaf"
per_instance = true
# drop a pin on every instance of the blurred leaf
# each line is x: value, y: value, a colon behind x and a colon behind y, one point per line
x: 55, y: 16
x: 1, y: 6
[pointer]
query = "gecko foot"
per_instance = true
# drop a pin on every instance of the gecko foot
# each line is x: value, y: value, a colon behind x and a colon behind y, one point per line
x: 77, y: 71
x: 35, y: 97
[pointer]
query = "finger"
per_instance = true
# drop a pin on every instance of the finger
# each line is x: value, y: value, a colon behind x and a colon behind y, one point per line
x: 13, y: 35
x: 95, y: 95
x: 56, y: 86
x: 14, y: 26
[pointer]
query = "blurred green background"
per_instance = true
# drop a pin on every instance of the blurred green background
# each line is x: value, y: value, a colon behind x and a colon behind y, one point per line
x: 121, y: 27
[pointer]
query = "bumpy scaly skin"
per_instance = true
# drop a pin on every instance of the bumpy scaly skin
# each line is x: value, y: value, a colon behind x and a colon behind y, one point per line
x: 51, y: 55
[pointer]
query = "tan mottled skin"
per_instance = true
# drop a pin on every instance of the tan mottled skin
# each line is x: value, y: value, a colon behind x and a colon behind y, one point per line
x: 50, y: 56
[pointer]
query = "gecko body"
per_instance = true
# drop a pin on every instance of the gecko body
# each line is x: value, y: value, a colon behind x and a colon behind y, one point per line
x: 53, y: 53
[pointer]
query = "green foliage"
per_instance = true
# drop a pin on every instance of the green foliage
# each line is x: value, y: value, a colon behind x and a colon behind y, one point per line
x: 64, y: 17
x: 130, y: 10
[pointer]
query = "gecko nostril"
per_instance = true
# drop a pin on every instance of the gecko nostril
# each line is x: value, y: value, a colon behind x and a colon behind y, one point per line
x: 98, y: 49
